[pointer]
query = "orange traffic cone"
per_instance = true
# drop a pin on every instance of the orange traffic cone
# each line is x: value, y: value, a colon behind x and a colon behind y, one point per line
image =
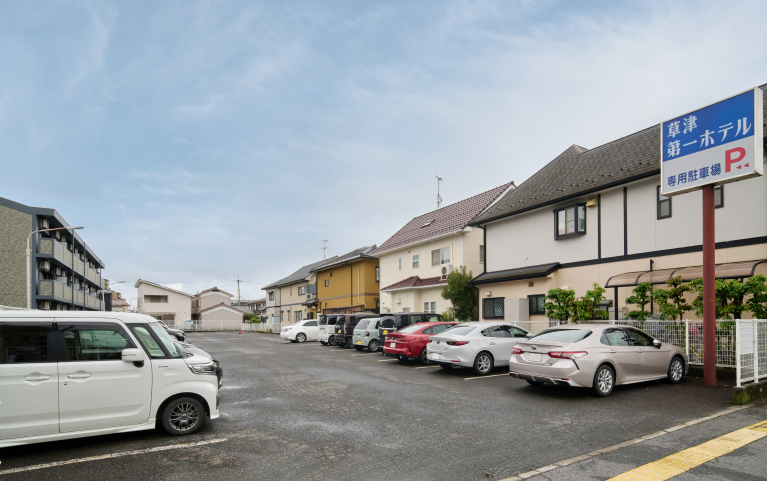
x: 240, y: 331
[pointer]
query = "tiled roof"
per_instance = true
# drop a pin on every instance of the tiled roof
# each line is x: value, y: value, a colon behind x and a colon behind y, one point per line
x: 361, y: 253
x: 531, y: 272
x: 445, y: 220
x: 578, y: 171
x: 415, y: 282
x: 244, y: 309
x: 300, y: 274
x: 142, y: 281
x: 215, y: 289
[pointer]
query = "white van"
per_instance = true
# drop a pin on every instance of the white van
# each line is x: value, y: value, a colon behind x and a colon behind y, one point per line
x: 69, y: 374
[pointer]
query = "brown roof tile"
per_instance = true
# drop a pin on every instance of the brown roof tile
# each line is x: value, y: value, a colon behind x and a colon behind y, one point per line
x: 415, y: 282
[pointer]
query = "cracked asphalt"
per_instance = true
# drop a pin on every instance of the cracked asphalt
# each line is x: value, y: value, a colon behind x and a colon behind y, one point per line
x: 306, y: 411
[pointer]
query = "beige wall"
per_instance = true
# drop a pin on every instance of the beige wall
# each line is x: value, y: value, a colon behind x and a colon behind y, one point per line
x: 413, y: 299
x: 291, y: 301
x: 210, y: 299
x: 220, y: 314
x: 178, y: 304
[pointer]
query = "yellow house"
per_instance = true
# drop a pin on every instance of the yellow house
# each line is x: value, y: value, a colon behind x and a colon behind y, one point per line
x: 349, y: 283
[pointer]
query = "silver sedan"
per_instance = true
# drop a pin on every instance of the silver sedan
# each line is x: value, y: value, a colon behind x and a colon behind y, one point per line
x: 595, y: 356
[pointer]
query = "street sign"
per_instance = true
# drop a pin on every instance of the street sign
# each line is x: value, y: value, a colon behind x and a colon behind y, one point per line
x: 717, y: 144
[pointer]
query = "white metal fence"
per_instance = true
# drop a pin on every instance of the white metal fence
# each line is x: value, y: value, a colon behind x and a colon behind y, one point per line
x: 740, y: 344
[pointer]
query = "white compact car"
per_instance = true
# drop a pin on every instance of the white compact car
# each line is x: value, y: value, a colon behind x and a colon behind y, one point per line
x: 479, y: 345
x: 67, y: 375
x: 302, y: 331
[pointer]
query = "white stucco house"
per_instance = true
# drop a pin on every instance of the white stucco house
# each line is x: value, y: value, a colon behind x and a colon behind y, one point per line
x: 168, y: 305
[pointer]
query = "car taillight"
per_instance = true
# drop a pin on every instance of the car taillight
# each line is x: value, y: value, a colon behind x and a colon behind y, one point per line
x: 367, y: 333
x: 457, y: 343
x: 516, y: 350
x: 567, y: 354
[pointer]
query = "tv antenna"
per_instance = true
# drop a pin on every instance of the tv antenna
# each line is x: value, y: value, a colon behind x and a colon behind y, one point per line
x: 323, y: 248
x: 439, y: 199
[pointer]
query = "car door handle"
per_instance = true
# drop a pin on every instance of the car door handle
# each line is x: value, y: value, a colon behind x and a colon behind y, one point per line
x: 492, y: 344
x: 79, y: 376
x: 640, y: 350
x: 611, y: 351
x: 37, y: 378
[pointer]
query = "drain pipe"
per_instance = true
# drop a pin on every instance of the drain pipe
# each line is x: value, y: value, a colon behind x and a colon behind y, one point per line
x: 358, y: 290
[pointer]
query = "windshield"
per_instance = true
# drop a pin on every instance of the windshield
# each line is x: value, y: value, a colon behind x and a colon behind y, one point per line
x: 165, y: 339
x: 363, y: 324
x: 562, y: 335
x: 412, y: 328
x: 459, y: 330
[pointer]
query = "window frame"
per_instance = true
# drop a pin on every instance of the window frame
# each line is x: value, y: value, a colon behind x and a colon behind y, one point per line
x: 440, y: 253
x: 494, y: 299
x: 378, y: 274
x: 400, y: 263
x: 52, y: 352
x: 660, y: 201
x: 301, y: 290
x: 530, y: 304
x: 327, y: 284
x: 61, y: 328
x: 482, y: 254
x: 577, y: 230
x: 720, y: 188
x: 416, y: 261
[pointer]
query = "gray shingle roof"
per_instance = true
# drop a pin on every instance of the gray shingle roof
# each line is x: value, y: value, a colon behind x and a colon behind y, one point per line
x: 578, y: 171
x: 299, y: 275
x: 361, y: 253
x: 530, y: 272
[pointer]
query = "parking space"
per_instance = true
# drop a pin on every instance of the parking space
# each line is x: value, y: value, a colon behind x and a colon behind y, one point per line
x: 305, y: 411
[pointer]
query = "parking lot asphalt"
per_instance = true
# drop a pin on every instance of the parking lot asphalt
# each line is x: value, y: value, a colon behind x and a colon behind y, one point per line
x: 307, y: 411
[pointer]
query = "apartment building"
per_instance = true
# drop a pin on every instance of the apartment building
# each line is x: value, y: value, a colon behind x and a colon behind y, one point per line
x: 64, y: 272
x: 416, y: 260
x: 597, y: 216
x: 348, y: 283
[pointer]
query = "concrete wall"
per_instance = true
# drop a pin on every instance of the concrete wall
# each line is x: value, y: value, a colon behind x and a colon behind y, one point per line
x: 178, y: 304
x: 15, y: 226
x: 210, y: 299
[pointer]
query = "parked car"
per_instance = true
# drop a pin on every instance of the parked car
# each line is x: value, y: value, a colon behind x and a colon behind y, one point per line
x: 597, y: 357
x: 178, y: 334
x: 479, y: 345
x: 410, y: 342
x: 345, y: 325
x: 189, y: 350
x: 366, y: 334
x: 67, y: 375
x: 301, y: 331
x: 392, y: 322
x: 327, y: 327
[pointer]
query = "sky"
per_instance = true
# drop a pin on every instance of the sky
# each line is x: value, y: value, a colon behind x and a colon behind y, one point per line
x: 199, y: 141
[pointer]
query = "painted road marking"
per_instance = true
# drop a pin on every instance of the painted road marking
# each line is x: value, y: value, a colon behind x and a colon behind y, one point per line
x: 426, y: 367
x: 365, y: 354
x: 483, y: 377
x: 683, y: 461
x: 388, y: 360
x: 112, y: 455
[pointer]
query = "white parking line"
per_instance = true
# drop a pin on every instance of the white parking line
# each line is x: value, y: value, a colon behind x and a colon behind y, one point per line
x: 111, y: 455
x: 426, y: 367
x: 483, y: 377
x: 388, y: 360
x: 365, y: 354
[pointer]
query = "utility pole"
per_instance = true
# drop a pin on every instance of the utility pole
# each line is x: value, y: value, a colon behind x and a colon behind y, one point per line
x: 439, y: 199
x: 324, y: 247
x: 238, y: 290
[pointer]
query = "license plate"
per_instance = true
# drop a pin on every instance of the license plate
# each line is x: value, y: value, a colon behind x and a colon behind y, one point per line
x: 434, y: 355
x: 535, y: 357
x: 391, y: 344
x: 359, y: 342
x: 386, y: 332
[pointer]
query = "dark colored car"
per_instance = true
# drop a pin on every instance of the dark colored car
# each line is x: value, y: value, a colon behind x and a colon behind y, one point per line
x: 327, y: 329
x: 410, y: 342
x: 345, y: 325
x: 178, y: 334
x: 393, y: 322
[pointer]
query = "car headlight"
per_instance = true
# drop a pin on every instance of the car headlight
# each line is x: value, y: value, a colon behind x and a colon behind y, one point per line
x: 207, y: 368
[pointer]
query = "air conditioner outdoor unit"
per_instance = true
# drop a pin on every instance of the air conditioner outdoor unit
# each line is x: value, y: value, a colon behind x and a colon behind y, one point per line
x: 44, y: 305
x: 42, y: 223
x: 446, y: 270
x: 44, y: 264
x: 308, y: 296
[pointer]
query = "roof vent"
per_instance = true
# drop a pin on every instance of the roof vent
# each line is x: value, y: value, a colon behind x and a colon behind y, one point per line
x: 428, y: 223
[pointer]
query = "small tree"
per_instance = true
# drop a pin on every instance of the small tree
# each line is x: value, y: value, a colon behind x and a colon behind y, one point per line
x: 461, y: 294
x: 448, y: 316
x: 757, y: 303
x: 587, y: 307
x: 641, y: 297
x: 731, y: 300
x: 672, y: 302
x: 560, y: 305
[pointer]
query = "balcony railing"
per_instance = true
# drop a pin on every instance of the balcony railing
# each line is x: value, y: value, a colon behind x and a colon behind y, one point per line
x: 63, y: 293
x: 56, y: 249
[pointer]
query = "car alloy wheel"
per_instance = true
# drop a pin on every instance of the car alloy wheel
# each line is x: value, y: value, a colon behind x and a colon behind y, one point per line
x: 373, y: 346
x: 422, y: 357
x: 675, y: 370
x: 604, y: 381
x: 300, y: 337
x: 331, y: 341
x: 483, y: 364
x: 183, y: 416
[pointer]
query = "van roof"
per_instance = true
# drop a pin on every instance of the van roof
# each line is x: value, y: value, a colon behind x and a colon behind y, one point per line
x: 32, y: 315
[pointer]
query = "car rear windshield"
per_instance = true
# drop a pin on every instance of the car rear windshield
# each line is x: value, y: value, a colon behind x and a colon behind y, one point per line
x: 458, y: 330
x: 412, y: 328
x: 363, y: 324
x: 562, y: 335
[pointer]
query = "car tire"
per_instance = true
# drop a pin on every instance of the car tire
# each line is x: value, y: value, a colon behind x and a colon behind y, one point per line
x: 445, y: 365
x: 534, y: 383
x: 300, y: 337
x: 422, y: 357
x: 359, y: 348
x: 349, y: 343
x: 401, y: 357
x: 676, y: 370
x: 331, y: 341
x: 373, y: 346
x: 604, y: 381
x: 183, y: 416
x: 483, y: 363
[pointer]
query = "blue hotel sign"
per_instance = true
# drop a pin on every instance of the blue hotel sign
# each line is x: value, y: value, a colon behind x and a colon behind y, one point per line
x: 717, y: 144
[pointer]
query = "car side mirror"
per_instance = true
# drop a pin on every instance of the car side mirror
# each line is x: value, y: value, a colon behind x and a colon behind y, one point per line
x: 656, y: 343
x: 134, y: 355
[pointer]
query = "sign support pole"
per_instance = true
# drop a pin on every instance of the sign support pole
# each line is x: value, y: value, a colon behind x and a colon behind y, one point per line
x: 709, y: 287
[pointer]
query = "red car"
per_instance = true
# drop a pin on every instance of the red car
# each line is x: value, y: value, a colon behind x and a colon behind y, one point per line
x: 410, y: 342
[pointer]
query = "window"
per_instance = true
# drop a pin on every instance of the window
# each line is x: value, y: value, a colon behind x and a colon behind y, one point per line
x: 514, y: 331
x: 405, y: 309
x: 617, y: 337
x: 664, y: 206
x: 536, y: 304
x: 94, y: 342
x: 311, y: 324
x: 291, y: 291
x: 570, y: 220
x: 440, y: 256
x: 387, y: 322
x: 481, y: 254
x: 400, y: 263
x: 156, y: 299
x: 271, y: 294
x: 415, y: 319
x: 327, y: 282
x: 297, y: 316
x: 430, y: 307
x: 302, y: 290
x: 440, y: 328
x: 718, y: 196
x: 150, y: 345
x: 639, y: 338
x: 492, y: 308
x: 415, y: 261
x: 562, y: 335
x: 378, y: 274
x: 165, y: 339
x: 429, y: 330
x: 496, y: 331
x: 363, y: 324
x: 24, y: 342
